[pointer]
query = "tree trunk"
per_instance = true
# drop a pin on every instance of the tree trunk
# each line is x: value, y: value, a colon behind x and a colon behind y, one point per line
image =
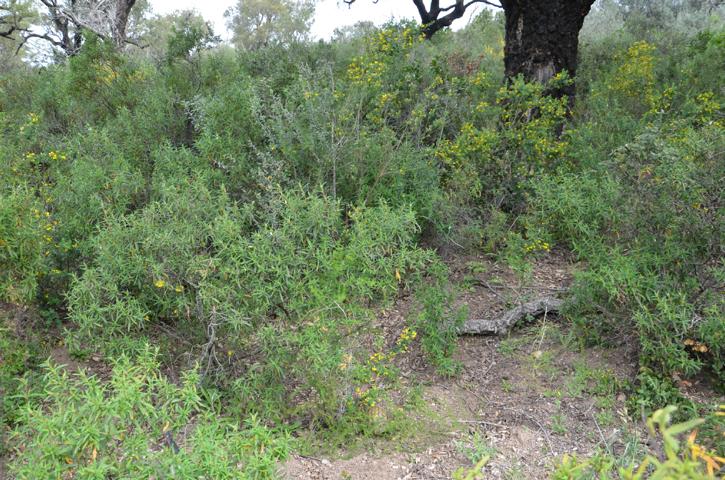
x: 542, y: 39
x: 120, y: 21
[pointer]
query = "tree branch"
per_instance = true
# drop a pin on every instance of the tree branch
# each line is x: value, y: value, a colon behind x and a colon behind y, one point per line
x: 65, y: 24
x: 430, y: 18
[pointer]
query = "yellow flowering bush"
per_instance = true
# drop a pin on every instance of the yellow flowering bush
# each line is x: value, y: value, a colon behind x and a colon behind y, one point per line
x: 377, y: 75
x: 633, y: 82
x: 495, y: 164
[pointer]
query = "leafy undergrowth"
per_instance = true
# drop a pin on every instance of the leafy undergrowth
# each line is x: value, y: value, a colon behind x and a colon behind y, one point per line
x: 258, y: 217
x: 136, y: 424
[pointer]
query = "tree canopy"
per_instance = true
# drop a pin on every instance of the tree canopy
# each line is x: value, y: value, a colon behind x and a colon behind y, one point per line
x: 260, y: 23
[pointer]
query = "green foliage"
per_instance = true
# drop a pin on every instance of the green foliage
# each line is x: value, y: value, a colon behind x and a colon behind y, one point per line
x: 23, y: 242
x: 189, y: 35
x: 646, y: 223
x: 164, y: 254
x: 493, y: 164
x: 136, y: 425
x: 653, y: 391
x: 295, y: 288
x: 316, y: 285
x: 438, y: 321
x: 261, y: 23
x: 98, y: 72
x: 476, y: 449
x: 20, y: 356
x: 98, y: 181
x: 691, y: 463
x: 227, y: 135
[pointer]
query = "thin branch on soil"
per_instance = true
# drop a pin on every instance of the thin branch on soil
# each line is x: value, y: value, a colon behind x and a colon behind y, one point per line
x: 541, y: 427
x: 509, y: 287
x: 490, y: 362
x: 515, y: 412
x: 484, y: 422
x: 601, y: 434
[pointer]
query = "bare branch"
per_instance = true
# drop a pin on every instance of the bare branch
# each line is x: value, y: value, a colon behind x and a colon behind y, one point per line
x: 44, y: 36
x: 105, y: 18
x: 430, y: 17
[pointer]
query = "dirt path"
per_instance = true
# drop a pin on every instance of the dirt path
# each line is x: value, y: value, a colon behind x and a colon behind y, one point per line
x: 525, y: 399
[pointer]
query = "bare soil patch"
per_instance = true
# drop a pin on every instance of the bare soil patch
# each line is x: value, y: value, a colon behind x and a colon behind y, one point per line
x: 525, y: 399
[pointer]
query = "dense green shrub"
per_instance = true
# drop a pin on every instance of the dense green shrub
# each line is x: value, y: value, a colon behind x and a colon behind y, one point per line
x: 101, y: 81
x: 20, y: 355
x: 646, y: 223
x: 438, y: 322
x: 136, y: 425
x: 92, y: 180
x: 296, y: 288
x: 24, y: 242
x: 229, y: 130
x: 148, y: 264
x: 493, y: 164
x: 317, y: 287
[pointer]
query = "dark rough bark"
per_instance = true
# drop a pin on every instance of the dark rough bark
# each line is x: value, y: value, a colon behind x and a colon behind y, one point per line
x: 431, y: 19
x: 542, y: 38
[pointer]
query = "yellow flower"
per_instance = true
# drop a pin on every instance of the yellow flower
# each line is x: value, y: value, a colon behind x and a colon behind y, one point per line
x: 179, y: 289
x: 160, y: 284
x: 711, y: 461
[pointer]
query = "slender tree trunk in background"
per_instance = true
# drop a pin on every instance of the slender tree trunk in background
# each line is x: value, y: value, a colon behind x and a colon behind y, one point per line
x: 542, y: 38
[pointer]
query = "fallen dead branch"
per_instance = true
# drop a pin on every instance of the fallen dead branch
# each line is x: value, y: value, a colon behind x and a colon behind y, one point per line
x: 502, y: 324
